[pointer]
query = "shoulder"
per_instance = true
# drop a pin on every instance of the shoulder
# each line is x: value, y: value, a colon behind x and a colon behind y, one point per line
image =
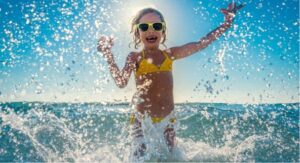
x: 134, y: 56
x: 170, y: 53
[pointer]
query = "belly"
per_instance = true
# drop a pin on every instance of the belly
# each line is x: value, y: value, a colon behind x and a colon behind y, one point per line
x: 155, y: 94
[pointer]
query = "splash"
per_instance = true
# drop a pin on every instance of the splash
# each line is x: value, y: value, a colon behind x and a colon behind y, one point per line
x: 96, y: 132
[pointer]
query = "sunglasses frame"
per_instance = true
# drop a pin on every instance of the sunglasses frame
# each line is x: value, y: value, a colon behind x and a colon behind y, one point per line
x: 150, y: 25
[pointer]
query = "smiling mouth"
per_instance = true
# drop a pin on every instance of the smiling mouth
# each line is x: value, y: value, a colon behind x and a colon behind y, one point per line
x: 151, y: 39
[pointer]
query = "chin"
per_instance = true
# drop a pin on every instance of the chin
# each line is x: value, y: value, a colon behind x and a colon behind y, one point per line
x: 151, y: 45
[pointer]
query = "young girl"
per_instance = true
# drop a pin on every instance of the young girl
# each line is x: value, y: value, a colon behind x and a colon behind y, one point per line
x: 153, y: 71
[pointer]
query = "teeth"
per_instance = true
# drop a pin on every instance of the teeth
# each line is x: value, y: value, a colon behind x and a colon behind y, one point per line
x: 151, y: 38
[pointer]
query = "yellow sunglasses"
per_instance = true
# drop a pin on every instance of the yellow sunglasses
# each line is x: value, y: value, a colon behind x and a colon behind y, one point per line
x: 156, y: 26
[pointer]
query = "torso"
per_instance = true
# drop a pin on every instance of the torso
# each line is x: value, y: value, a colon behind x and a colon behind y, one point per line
x: 154, y: 90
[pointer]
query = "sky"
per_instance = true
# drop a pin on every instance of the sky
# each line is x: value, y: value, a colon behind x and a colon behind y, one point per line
x: 48, y: 50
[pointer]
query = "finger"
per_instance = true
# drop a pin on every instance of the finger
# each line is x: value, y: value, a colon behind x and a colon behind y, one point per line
x: 240, y: 7
x: 231, y: 6
x: 224, y: 11
x: 111, y: 40
x: 236, y: 8
x: 101, y: 40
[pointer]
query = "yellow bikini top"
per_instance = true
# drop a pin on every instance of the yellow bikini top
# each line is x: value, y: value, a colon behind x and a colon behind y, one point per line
x: 146, y: 66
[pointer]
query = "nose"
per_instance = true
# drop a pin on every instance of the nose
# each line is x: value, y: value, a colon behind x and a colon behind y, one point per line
x: 150, y: 29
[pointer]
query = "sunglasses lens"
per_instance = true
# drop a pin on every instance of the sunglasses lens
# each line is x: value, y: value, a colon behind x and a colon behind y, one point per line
x: 157, y: 26
x: 143, y: 27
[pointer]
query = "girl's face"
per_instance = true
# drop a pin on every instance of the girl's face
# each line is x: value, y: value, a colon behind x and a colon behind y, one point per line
x: 150, y: 38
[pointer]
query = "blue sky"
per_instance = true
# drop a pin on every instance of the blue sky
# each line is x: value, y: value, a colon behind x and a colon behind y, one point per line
x: 48, y: 50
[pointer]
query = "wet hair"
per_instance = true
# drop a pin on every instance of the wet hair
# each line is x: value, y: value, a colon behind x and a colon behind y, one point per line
x: 136, y: 19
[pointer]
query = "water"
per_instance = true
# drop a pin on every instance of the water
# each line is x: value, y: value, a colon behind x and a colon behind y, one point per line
x: 95, y: 132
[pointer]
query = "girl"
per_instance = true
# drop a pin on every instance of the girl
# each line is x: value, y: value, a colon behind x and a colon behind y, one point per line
x: 153, y: 71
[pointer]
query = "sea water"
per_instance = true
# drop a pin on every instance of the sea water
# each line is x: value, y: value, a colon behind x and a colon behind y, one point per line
x: 93, y: 132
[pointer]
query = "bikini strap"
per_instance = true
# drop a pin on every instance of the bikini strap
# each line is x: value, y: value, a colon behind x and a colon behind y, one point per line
x: 165, y: 54
x: 143, y: 54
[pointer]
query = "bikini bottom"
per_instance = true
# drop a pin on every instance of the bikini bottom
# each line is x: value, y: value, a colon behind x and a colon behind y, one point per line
x: 149, y: 134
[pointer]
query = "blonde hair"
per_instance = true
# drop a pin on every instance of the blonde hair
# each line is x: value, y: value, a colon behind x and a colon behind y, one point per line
x: 136, y: 20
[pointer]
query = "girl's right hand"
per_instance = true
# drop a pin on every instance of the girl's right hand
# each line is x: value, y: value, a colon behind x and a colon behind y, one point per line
x: 104, y: 46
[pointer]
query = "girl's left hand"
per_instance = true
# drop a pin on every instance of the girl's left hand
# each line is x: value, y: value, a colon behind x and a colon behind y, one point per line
x: 231, y: 11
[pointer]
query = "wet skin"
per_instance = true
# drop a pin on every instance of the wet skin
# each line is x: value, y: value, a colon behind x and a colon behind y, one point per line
x: 155, y: 90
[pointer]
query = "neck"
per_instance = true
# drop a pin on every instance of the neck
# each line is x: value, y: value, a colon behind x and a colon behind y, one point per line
x: 151, y: 48
x: 151, y: 51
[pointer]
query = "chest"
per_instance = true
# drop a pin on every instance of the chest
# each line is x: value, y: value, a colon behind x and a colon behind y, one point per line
x: 153, y: 59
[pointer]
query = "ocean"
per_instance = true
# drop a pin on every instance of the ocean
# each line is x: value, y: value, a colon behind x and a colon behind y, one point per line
x: 95, y: 132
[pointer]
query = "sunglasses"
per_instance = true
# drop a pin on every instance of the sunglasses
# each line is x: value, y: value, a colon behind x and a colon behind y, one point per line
x: 156, y: 26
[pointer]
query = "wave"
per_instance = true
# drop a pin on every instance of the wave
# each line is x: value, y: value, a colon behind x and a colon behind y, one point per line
x: 92, y: 132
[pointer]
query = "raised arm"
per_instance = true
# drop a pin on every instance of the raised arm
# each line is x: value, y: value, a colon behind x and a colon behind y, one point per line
x: 193, y: 47
x: 121, y: 77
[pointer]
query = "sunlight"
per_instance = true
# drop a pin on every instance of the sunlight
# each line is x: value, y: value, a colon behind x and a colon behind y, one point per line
x: 129, y: 10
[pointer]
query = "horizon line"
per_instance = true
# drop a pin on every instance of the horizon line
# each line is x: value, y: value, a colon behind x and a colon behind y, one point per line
x: 128, y: 103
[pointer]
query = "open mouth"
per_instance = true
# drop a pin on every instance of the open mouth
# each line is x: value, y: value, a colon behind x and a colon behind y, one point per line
x: 151, y: 39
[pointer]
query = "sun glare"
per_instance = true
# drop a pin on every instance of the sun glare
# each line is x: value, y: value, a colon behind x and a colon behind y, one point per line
x: 130, y: 9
